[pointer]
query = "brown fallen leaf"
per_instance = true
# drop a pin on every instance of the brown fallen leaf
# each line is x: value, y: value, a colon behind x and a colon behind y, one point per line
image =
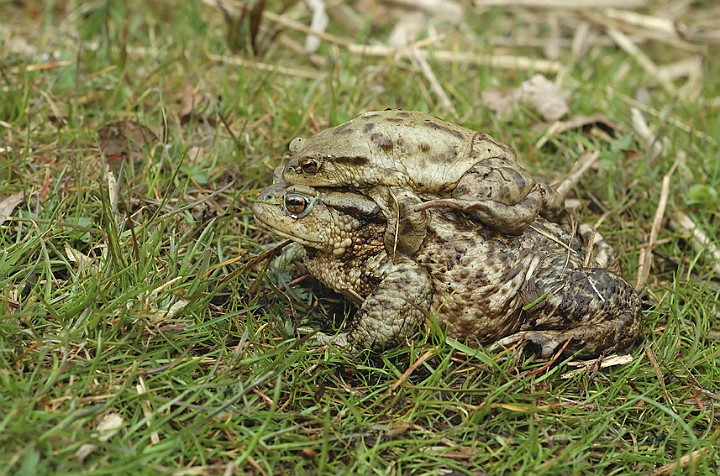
x: 632, y: 155
x: 502, y: 101
x: 538, y: 93
x: 545, y: 97
x: 124, y: 138
x: 191, y: 102
x: 8, y: 205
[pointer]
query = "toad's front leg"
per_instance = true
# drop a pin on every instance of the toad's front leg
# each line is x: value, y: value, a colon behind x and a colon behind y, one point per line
x: 397, y: 305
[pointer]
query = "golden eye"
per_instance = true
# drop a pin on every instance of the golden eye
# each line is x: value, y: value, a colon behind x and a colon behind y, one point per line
x: 296, y: 204
x: 309, y: 166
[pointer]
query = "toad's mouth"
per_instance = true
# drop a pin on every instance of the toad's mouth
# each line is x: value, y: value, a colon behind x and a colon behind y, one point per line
x: 264, y: 217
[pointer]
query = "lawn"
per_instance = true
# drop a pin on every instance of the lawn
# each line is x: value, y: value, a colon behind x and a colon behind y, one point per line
x: 146, y: 327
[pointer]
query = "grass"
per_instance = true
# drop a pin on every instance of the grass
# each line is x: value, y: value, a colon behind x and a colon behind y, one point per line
x: 138, y: 302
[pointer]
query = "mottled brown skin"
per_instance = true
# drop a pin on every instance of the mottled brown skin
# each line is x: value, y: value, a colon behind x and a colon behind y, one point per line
x: 431, y: 163
x: 473, y: 279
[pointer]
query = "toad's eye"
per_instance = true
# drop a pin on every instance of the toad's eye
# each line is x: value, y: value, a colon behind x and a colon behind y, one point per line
x: 309, y: 166
x: 296, y: 204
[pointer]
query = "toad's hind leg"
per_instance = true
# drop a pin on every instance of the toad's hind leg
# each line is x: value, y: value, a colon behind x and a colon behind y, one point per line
x: 593, y: 308
x: 507, y: 219
x: 503, y: 196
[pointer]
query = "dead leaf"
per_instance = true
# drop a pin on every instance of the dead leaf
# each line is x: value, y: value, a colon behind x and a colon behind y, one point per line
x: 191, y: 100
x: 106, y: 429
x: 608, y: 361
x: 502, y: 101
x: 408, y: 28
x: 545, y: 97
x: 632, y: 155
x: 8, y: 205
x: 108, y: 426
x: 77, y: 257
x: 195, y: 154
x: 124, y: 138
x: 538, y: 93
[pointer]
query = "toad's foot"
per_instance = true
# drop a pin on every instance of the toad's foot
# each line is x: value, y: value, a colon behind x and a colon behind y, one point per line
x: 548, y: 341
x: 406, y: 226
x: 584, y: 340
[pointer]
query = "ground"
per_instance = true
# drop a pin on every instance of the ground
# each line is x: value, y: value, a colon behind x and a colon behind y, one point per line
x: 146, y: 328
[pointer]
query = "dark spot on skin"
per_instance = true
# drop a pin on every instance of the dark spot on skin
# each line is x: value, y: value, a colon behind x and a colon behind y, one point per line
x: 352, y: 160
x: 344, y: 129
x: 385, y: 143
x: 458, y: 134
x: 445, y: 156
x: 368, y: 127
x: 423, y: 147
x: 403, y: 114
x: 394, y: 120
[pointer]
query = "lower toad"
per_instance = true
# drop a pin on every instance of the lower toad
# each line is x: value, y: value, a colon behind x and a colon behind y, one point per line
x: 480, y: 285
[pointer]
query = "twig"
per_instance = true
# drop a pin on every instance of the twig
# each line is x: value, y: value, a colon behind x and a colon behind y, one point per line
x: 410, y: 371
x: 624, y: 42
x: 627, y: 21
x: 237, y: 61
x: 576, y: 4
x: 653, y: 360
x: 382, y: 51
x: 671, y: 468
x: 434, y: 83
x: 41, y: 67
x: 495, y: 61
x: 646, y: 251
x: 583, y: 163
x: 671, y: 120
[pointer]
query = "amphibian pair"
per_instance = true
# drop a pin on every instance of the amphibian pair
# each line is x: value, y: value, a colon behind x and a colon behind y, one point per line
x: 410, y: 216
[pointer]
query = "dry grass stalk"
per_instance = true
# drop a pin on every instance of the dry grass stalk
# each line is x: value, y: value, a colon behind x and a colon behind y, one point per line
x: 658, y: 373
x: 582, y: 165
x: 624, y: 42
x: 643, y: 131
x: 627, y: 26
x: 671, y: 120
x: 237, y: 61
x: 644, y: 21
x: 604, y: 362
x: 444, y: 56
x: 682, y: 223
x: 40, y: 67
x: 382, y: 51
x: 434, y: 83
x: 576, y: 4
x: 645, y: 259
x: 684, y: 461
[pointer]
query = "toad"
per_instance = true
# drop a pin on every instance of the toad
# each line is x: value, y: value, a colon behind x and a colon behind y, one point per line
x: 410, y: 162
x: 545, y: 285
